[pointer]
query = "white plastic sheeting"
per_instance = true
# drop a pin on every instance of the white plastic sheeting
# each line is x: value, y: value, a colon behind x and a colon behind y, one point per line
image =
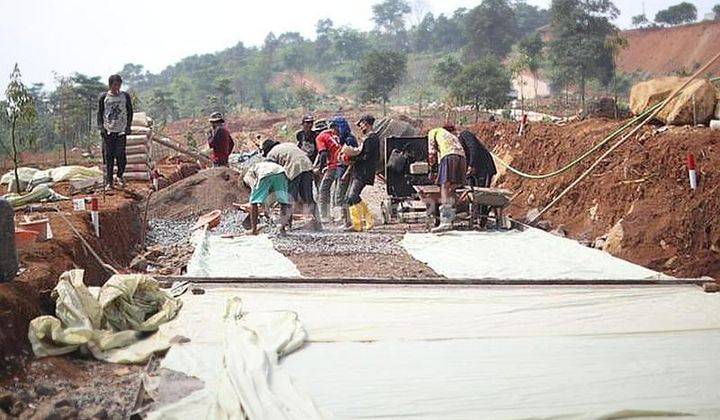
x: 112, y: 326
x: 244, y: 256
x: 530, y: 254
x: 463, y: 352
x: 241, y: 376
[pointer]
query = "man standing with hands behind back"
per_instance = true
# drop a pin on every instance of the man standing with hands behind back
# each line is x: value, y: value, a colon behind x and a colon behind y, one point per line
x: 114, y: 117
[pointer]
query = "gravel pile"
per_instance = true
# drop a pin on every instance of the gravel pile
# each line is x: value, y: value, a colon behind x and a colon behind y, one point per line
x: 169, y: 232
x: 172, y: 232
x: 336, y: 243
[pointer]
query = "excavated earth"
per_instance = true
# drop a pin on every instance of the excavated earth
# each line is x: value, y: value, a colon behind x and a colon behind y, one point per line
x: 642, y: 190
x: 640, y: 193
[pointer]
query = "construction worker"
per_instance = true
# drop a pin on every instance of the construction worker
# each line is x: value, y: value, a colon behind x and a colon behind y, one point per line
x: 219, y: 140
x: 305, y: 137
x: 343, y: 183
x: 298, y: 170
x: 480, y: 165
x: 447, y: 157
x: 364, y: 164
x: 268, y: 184
x: 114, y: 118
x: 326, y: 163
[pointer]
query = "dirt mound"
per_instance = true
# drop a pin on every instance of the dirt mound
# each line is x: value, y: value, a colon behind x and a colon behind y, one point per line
x: 211, y: 189
x: 643, y: 186
x: 668, y: 50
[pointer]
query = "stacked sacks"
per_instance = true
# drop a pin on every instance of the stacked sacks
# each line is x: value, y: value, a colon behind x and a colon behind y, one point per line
x: 139, y: 148
x: 695, y: 103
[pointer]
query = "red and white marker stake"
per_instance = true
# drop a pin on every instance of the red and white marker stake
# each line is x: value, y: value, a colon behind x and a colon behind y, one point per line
x: 94, y: 215
x: 692, y: 171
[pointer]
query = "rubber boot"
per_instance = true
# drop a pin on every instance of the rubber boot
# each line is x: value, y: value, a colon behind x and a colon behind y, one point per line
x: 345, y: 211
x: 446, y: 218
x: 356, y: 218
x: 325, y: 213
x: 367, y: 215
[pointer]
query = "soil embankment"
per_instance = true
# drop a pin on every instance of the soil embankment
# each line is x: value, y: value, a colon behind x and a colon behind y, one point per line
x: 642, y: 190
x: 29, y: 295
x: 660, y: 51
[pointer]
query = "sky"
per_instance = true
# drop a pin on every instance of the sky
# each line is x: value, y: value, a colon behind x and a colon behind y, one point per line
x: 48, y: 37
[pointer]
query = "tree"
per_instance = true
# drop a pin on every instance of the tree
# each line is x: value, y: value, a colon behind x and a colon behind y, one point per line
x: 388, y: 15
x: 380, y: 73
x: 446, y: 69
x: 68, y: 112
x: 224, y: 90
x: 678, y: 14
x: 423, y: 34
x: 532, y: 48
x: 579, y: 50
x: 529, y: 18
x: 20, y: 114
x: 482, y: 84
x: 134, y: 75
x: 616, y: 43
x: 323, y: 41
x: 491, y: 28
x: 162, y: 105
x: 716, y: 10
x: 639, y: 21
x: 518, y: 64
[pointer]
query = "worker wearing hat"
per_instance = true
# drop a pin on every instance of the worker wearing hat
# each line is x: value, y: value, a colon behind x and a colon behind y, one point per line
x: 219, y: 140
x: 305, y: 137
x: 298, y: 170
x: 326, y: 163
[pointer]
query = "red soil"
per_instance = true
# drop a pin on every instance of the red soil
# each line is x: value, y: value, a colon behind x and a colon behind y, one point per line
x: 668, y: 50
x: 29, y: 295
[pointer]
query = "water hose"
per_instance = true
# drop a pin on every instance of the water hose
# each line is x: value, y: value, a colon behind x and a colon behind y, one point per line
x: 627, y: 136
x: 582, y: 157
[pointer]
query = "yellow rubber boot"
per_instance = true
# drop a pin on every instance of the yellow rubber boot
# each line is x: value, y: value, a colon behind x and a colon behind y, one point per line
x: 367, y: 215
x: 356, y: 217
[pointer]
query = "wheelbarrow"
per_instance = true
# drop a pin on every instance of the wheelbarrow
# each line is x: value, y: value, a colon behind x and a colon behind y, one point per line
x: 473, y: 204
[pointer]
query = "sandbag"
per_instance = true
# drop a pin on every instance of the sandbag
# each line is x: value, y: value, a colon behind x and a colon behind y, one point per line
x: 139, y: 130
x: 135, y: 140
x: 110, y: 326
x: 680, y: 110
x: 140, y: 119
x: 138, y: 158
x: 132, y: 150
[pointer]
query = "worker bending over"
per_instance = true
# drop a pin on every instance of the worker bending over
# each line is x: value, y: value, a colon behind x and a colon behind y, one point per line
x: 268, y: 184
x: 447, y: 157
x: 364, y: 162
x: 298, y: 170
x: 328, y: 146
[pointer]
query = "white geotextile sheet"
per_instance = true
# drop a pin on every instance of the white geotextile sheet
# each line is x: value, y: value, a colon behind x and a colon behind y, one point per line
x: 461, y: 352
x: 530, y: 254
x: 243, y: 256
x: 240, y: 374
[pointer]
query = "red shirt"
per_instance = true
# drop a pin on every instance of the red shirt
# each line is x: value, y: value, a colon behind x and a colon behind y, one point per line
x: 327, y: 140
x: 222, y: 145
